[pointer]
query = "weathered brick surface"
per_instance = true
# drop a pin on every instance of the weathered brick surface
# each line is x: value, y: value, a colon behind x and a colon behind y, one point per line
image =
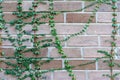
x: 92, y: 52
x: 100, y: 29
x: 83, y: 41
x: 102, y: 65
x: 102, y: 18
x: 9, y: 17
x: 59, y: 75
x: 6, y: 77
x: 8, y: 52
x: 8, y: 43
x: 78, y: 18
x: 4, y: 65
x: 60, y: 6
x: 97, y: 75
x: 79, y: 50
x: 78, y: 64
x: 53, y: 64
x: 103, y: 7
x: 71, y: 52
x: 105, y: 40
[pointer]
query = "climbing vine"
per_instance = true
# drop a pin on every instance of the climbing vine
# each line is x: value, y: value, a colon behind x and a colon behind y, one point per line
x: 24, y: 67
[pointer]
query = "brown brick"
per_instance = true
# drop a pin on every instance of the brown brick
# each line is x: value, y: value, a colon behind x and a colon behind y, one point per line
x: 83, y: 41
x: 70, y: 52
x: 41, y: 7
x: 104, y: 65
x: 78, y: 17
x: 63, y: 75
x: 5, y: 66
x: 3, y: 76
x: 43, y: 53
x: 26, y: 5
x: 28, y: 43
x: 43, y: 29
x: 68, y: 28
x: 67, y: 6
x: 11, y: 30
x: 52, y: 38
x: 93, y: 29
x: 106, y: 40
x: 60, y: 27
x: 10, y: 77
x: 102, y: 18
x: 55, y: 64
x: 59, y: 18
x: 8, y: 43
x: 99, y: 29
x: 102, y: 7
x: 9, y: 6
x: 92, y: 52
x: 46, y: 76
x: 9, y: 52
x: 9, y: 17
x: 97, y: 75
x: 76, y: 63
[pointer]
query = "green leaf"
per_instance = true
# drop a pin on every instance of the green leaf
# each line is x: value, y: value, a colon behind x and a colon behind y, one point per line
x: 1, y: 26
x: 105, y: 53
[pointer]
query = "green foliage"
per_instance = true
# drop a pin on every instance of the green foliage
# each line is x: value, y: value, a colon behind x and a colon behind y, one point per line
x: 23, y: 64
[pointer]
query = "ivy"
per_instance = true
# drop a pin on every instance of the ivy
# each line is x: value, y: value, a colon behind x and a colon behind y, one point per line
x: 32, y: 65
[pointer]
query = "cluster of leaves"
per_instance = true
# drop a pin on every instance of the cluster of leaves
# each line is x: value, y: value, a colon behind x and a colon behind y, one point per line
x: 22, y: 63
x: 111, y: 55
x: 31, y: 66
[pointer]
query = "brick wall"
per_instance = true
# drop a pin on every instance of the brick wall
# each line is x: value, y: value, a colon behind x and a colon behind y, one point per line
x: 79, y: 49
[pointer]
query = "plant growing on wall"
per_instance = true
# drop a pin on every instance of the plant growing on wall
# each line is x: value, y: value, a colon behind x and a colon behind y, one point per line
x: 30, y: 67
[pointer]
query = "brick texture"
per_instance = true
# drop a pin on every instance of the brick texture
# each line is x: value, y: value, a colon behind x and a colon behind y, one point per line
x: 78, y: 18
x: 83, y: 41
x: 64, y: 75
x: 98, y: 75
x: 71, y: 52
x: 81, y: 49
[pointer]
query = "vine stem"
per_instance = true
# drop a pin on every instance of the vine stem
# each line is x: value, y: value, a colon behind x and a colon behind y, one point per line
x: 1, y: 27
x: 113, y: 42
x: 35, y: 39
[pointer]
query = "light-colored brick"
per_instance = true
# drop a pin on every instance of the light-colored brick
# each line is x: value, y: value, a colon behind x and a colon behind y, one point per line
x: 105, y: 66
x: 102, y: 7
x: 80, y: 41
x: 92, y: 52
x: 63, y: 75
x: 6, y: 77
x: 99, y: 29
x: 67, y: 6
x: 106, y: 41
x: 97, y: 75
x: 102, y: 18
x: 70, y: 52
